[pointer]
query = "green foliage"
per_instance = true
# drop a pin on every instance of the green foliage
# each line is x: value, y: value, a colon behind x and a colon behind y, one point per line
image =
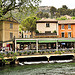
x: 43, y: 52
x: 20, y: 53
x: 74, y: 50
x: 29, y: 53
x: 73, y: 18
x: 54, y: 31
x: 52, y: 11
x: 64, y: 6
x: 49, y: 52
x: 46, y: 15
x: 36, y: 31
x: 57, y: 14
x: 41, y: 14
x: 1, y: 56
x: 56, y: 52
x: 59, y: 52
x: 61, y: 11
x: 62, y: 18
x: 14, y: 58
x: 15, y: 54
x: 24, y: 6
x: 25, y: 52
x: 8, y: 54
x: 19, y: 29
x: 12, y: 53
x: 29, y: 23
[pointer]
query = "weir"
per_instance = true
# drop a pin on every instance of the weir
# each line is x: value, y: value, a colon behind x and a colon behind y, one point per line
x: 36, y: 58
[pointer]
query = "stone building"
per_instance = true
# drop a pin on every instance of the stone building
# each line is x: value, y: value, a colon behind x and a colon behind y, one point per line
x: 47, y: 28
x: 8, y: 29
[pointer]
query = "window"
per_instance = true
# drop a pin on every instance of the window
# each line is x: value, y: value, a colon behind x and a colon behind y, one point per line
x: 69, y: 34
x: 62, y: 26
x: 62, y: 34
x: 69, y: 26
x: 47, y: 25
x: 11, y: 26
x: 11, y: 35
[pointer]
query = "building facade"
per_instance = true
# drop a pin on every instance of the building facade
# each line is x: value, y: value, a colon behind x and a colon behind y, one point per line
x: 66, y: 29
x: 47, y: 27
x: 25, y: 34
x: 8, y: 29
x: 44, y: 25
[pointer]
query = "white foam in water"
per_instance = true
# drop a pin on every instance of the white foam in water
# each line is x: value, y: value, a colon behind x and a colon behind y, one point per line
x: 62, y: 61
x: 21, y: 64
x: 44, y: 61
x: 55, y: 61
x: 32, y: 62
x: 51, y: 61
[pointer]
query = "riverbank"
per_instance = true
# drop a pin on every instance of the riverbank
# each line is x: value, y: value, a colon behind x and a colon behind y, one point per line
x: 35, y: 58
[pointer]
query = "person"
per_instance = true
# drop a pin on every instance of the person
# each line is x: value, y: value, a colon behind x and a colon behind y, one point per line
x: 3, y: 49
x: 17, y: 48
x: 0, y: 48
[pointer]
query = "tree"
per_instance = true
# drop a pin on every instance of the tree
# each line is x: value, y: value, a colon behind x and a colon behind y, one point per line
x: 42, y: 15
x: 62, y: 18
x: 62, y: 11
x: 68, y: 12
x: 57, y: 14
x: 73, y: 12
x: 29, y: 24
x: 21, y: 5
x: 39, y: 14
x: 64, y: 6
x: 46, y: 15
x: 52, y: 11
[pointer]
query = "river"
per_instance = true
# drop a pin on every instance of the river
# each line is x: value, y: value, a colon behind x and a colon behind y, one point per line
x: 39, y: 69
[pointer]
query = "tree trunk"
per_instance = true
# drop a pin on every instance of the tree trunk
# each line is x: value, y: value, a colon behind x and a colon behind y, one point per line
x: 32, y: 34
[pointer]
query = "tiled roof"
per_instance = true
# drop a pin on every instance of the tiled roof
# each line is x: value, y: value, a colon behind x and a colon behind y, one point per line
x: 66, y: 22
x: 46, y: 20
x: 11, y: 19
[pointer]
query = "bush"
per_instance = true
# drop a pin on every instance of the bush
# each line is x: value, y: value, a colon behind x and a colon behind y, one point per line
x: 74, y: 50
x: 59, y: 52
x: 12, y: 53
x: 15, y: 54
x: 39, y: 51
x: 43, y: 52
x: 54, y: 31
x: 25, y: 52
x: 36, y: 31
x: 8, y: 54
x: 34, y: 51
x: 56, y: 52
x: 63, y: 51
x: 49, y: 52
x: 20, y: 53
x: 29, y: 53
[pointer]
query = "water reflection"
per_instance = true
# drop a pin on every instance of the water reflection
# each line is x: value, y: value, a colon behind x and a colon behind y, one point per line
x: 39, y: 69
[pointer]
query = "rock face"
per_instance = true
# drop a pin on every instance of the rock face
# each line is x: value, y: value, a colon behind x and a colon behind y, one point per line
x: 44, y: 9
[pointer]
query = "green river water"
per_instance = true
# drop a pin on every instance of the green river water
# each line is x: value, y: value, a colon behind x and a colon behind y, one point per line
x: 40, y: 69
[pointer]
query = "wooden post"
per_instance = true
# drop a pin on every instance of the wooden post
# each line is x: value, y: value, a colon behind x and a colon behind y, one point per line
x: 15, y: 46
x: 37, y: 46
x: 57, y: 45
x: 48, y: 59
